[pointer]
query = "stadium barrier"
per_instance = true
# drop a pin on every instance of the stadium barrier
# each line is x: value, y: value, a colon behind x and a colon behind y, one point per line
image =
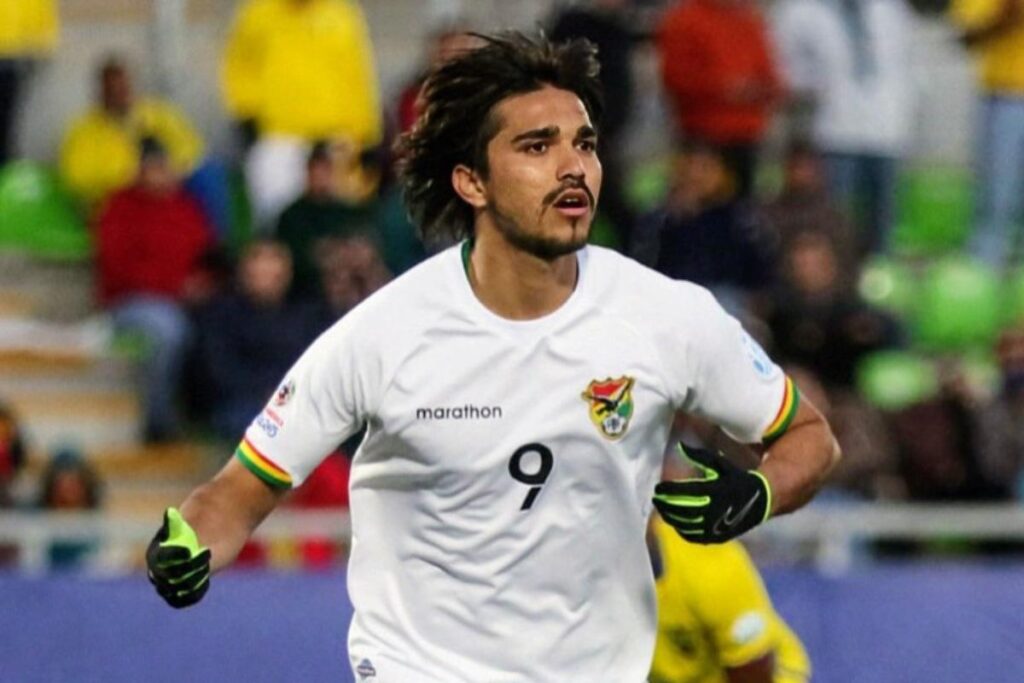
x: 833, y: 531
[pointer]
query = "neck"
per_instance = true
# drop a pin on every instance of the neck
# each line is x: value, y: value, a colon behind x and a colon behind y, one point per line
x: 516, y: 285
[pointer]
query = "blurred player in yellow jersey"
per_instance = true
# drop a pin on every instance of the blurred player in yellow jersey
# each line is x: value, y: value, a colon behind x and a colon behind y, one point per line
x: 716, y: 623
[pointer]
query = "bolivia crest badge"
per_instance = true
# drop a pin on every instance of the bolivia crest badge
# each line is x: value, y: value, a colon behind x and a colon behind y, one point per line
x: 611, y: 405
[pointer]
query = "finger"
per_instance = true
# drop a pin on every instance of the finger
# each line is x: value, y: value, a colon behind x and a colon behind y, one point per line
x: 708, y: 462
x: 191, y: 581
x: 686, y: 488
x: 167, y: 555
x: 164, y: 531
x: 186, y: 599
x: 180, y: 533
x: 682, y: 521
x: 179, y: 569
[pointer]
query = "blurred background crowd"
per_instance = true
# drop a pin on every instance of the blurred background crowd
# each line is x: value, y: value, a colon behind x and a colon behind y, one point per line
x: 191, y: 191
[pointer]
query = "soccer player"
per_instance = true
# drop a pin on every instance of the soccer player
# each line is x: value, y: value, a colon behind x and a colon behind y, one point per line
x: 517, y: 390
x: 716, y: 623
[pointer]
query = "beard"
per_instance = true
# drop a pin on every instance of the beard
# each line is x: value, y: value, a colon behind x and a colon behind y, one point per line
x: 541, y: 246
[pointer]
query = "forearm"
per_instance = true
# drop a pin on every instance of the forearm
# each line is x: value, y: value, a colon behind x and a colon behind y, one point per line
x: 226, y: 510
x: 797, y: 465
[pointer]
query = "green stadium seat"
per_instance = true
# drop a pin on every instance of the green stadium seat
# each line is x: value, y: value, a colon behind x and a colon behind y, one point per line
x: 893, y: 380
x: 648, y: 184
x: 889, y: 284
x: 37, y: 215
x: 959, y: 306
x: 934, y: 210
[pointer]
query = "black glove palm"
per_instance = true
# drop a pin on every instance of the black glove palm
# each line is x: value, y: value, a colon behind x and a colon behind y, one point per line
x: 725, y: 502
x: 178, y: 567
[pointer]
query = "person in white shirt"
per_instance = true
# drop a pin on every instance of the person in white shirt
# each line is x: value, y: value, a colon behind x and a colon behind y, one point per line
x: 517, y: 391
x: 849, y: 61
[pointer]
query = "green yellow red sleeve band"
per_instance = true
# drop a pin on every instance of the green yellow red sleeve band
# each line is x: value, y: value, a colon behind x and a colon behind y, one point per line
x: 262, y: 466
x: 790, y: 402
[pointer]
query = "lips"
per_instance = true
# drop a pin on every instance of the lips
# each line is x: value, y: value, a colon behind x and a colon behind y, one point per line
x: 572, y: 203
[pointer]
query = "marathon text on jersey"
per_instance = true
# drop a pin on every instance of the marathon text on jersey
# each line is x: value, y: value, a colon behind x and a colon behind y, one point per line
x: 466, y: 412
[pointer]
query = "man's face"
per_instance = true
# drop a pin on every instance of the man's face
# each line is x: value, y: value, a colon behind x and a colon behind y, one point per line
x: 266, y: 273
x: 116, y: 91
x: 543, y: 176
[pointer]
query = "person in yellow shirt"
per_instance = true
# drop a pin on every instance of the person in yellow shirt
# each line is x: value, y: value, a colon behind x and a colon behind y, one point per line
x: 28, y: 31
x: 993, y: 30
x: 296, y: 72
x: 100, y: 152
x: 716, y: 623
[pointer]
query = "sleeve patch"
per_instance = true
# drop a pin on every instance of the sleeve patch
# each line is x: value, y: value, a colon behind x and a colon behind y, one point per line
x: 747, y: 628
x: 262, y: 466
x: 790, y: 402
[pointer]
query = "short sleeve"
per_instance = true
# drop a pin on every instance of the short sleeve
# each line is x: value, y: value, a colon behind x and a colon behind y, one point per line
x: 322, y: 400
x: 729, y: 379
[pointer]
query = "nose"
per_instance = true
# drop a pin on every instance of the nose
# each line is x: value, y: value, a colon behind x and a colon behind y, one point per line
x: 570, y: 164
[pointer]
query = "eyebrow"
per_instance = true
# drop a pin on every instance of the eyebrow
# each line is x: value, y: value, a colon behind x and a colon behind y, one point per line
x: 549, y: 132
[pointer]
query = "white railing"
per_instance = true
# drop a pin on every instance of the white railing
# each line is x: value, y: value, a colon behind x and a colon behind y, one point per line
x: 832, y: 531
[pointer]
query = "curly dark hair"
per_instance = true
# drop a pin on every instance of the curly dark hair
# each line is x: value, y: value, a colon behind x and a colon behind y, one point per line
x: 457, y: 120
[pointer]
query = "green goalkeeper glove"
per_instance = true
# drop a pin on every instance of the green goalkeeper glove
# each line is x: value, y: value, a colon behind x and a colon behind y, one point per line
x: 178, y: 567
x: 723, y: 503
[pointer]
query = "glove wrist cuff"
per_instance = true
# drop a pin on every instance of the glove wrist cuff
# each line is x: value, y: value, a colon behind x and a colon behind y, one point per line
x: 767, y: 492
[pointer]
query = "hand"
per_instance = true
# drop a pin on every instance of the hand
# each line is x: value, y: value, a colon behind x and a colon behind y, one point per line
x: 725, y: 502
x: 178, y: 567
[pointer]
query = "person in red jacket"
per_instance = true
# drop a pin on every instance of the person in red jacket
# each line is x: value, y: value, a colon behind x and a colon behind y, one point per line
x: 720, y: 76
x: 150, y: 240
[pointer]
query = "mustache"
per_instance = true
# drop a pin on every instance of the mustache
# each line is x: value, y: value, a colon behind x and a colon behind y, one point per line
x: 550, y: 197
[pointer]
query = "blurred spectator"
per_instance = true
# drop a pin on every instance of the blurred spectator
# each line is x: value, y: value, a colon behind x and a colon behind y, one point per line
x: 12, y: 457
x: 705, y: 234
x: 150, y: 241
x: 718, y: 70
x: 352, y: 269
x: 28, y: 31
x: 314, y: 216
x: 1001, y: 419
x: 803, y: 205
x: 69, y: 483
x: 937, y: 443
x: 247, y: 339
x: 12, y: 454
x: 606, y: 23
x: 848, y: 62
x: 869, y: 468
x: 817, y: 320
x: 994, y: 31
x: 446, y: 41
x: 297, y: 71
x: 100, y: 152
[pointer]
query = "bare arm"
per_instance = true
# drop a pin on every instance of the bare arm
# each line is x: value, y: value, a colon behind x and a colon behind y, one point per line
x: 796, y: 465
x: 758, y: 671
x: 227, y: 509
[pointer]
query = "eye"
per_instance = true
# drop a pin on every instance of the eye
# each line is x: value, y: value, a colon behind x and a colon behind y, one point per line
x: 538, y: 147
x: 588, y: 145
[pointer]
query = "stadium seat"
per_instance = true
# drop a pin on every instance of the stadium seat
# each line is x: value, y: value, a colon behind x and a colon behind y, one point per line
x: 38, y: 216
x: 1013, y: 298
x: 959, y: 306
x: 889, y: 284
x: 648, y: 184
x: 934, y: 210
x: 892, y: 380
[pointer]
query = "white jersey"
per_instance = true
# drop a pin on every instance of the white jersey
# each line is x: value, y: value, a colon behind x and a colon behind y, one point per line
x: 500, y: 496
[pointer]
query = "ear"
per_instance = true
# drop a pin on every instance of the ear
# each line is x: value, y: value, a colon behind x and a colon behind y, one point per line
x: 468, y: 185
